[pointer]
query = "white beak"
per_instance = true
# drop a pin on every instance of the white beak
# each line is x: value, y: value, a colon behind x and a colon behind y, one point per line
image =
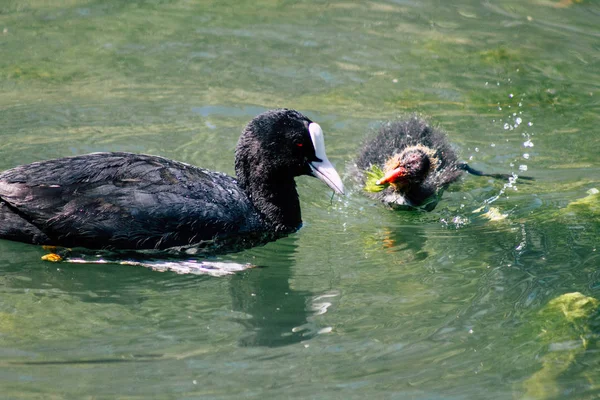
x: 323, y: 169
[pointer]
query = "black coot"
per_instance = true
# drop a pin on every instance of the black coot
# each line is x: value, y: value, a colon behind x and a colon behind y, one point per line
x: 134, y: 201
x: 408, y: 164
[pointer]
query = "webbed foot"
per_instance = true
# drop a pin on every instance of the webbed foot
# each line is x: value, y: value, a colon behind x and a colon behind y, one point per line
x: 52, y: 257
x: 57, y: 254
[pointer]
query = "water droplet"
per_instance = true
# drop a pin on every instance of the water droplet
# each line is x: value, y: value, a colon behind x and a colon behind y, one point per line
x: 510, y: 95
x: 493, y: 144
x: 476, y: 149
x: 518, y: 120
x: 522, y: 167
x: 530, y: 123
x: 526, y: 156
x: 528, y: 143
x: 506, y: 126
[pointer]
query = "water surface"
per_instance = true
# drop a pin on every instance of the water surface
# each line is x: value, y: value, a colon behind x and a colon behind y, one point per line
x: 362, y: 301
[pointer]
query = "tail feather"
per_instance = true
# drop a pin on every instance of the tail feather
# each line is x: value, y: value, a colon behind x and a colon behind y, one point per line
x: 15, y: 227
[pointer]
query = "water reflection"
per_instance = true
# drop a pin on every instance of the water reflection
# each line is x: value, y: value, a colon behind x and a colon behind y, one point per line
x: 277, y: 314
x: 426, y: 309
x: 411, y: 238
x: 93, y: 281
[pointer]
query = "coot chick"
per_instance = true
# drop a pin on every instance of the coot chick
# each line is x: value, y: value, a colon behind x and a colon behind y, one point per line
x: 408, y: 164
x: 140, y: 202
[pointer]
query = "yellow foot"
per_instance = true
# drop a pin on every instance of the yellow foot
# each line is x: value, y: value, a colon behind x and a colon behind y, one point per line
x: 52, y: 257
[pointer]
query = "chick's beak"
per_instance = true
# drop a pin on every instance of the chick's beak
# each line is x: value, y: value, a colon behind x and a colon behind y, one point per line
x: 392, y: 176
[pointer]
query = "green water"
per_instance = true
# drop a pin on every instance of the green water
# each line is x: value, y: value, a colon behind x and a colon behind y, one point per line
x: 362, y: 301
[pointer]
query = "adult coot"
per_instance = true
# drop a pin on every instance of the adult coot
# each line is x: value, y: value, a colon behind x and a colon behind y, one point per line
x: 135, y: 201
x: 408, y: 164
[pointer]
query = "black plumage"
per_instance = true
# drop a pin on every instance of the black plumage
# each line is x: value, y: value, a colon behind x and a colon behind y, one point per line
x: 430, y: 162
x: 417, y: 161
x: 134, y: 201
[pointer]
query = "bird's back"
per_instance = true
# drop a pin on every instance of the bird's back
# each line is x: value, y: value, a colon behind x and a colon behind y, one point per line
x: 125, y: 201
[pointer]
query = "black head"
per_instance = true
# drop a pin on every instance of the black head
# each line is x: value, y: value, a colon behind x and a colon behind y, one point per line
x: 409, y: 168
x: 278, y: 145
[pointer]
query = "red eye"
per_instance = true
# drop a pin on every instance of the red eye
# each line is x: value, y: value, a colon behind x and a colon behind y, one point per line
x: 299, y: 144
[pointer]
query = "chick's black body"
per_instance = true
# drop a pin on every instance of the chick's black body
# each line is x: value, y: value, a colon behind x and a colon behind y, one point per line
x: 133, y: 201
x: 431, y: 163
